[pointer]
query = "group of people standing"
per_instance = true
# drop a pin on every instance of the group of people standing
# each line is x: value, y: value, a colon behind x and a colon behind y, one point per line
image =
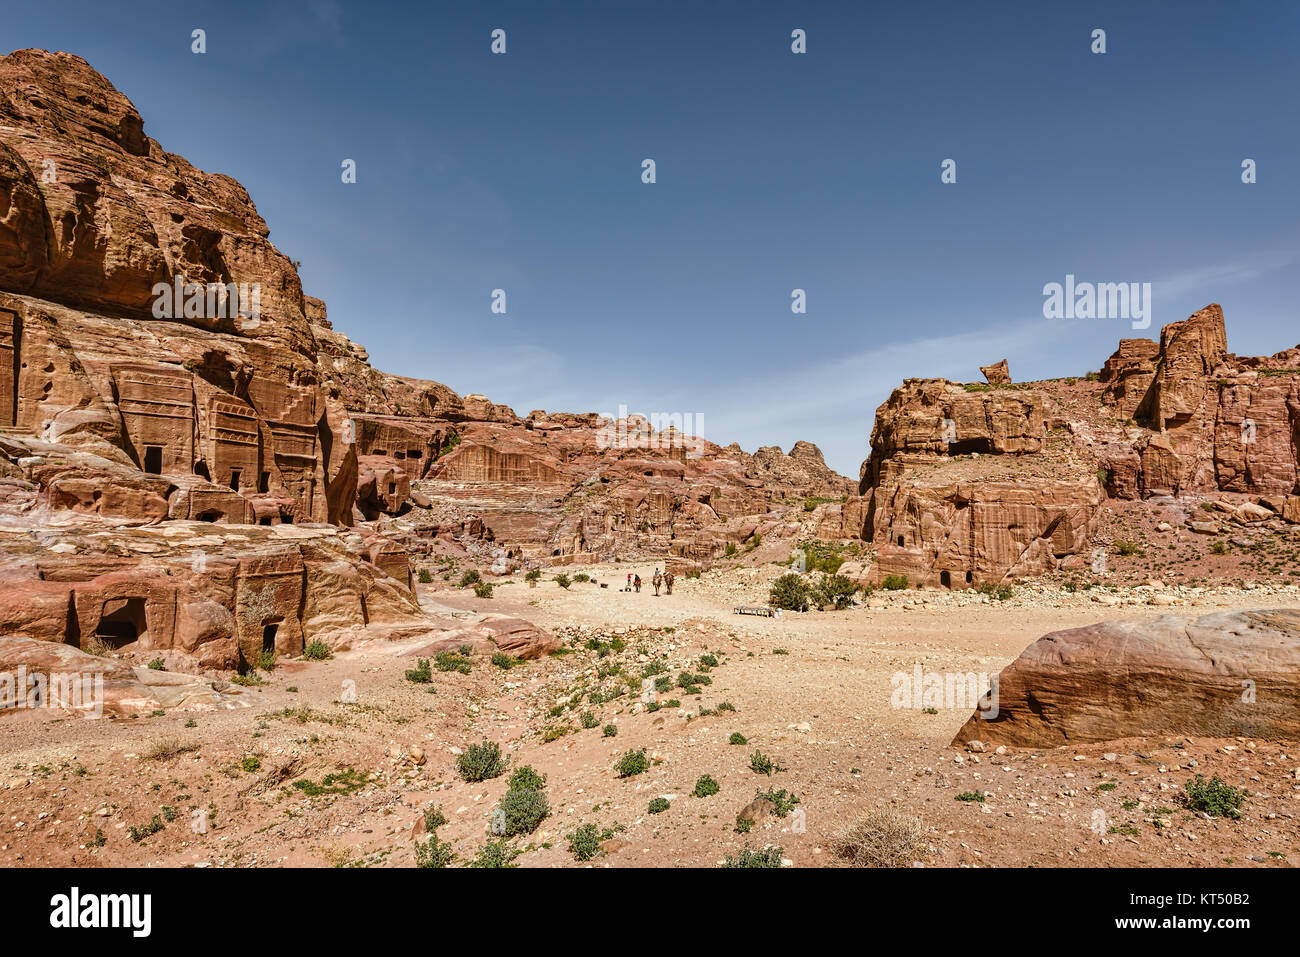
x: 660, y: 580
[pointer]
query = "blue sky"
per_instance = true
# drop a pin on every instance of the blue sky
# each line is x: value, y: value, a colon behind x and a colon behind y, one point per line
x: 775, y: 171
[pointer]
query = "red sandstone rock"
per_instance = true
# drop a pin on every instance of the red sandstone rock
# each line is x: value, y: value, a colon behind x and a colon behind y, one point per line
x: 972, y: 484
x: 1220, y: 675
x: 67, y: 681
x: 493, y: 633
x: 996, y: 374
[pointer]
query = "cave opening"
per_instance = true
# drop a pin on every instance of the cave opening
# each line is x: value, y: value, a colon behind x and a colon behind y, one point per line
x: 269, y: 631
x: 121, y: 621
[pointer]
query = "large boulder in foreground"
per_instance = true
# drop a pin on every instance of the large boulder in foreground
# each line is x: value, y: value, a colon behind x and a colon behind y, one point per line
x: 1220, y: 675
x: 492, y: 633
x: 62, y: 680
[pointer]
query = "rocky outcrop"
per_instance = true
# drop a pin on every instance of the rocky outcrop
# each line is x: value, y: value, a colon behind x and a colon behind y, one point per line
x: 1210, y: 421
x: 1227, y: 674
x: 996, y: 374
x: 184, y: 433
x: 968, y: 485
x: 490, y: 634
x: 205, y: 597
x: 561, y: 488
x: 63, y: 680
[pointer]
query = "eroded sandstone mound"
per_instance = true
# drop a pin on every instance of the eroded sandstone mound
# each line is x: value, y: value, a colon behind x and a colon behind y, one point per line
x: 64, y: 680
x: 1225, y: 674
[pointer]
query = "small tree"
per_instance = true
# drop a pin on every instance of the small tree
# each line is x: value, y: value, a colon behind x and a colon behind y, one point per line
x: 790, y: 591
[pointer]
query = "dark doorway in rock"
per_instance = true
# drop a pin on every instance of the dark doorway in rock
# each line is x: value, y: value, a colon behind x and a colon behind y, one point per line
x: 264, y: 520
x: 211, y: 515
x: 900, y: 541
x: 268, y: 637
x: 201, y: 470
x: 945, y: 579
x: 234, y: 478
x: 153, y: 459
x: 264, y: 484
x: 121, y: 621
x: 970, y: 577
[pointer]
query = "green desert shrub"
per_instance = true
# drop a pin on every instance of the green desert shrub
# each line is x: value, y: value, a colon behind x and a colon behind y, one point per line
x: 498, y: 853
x: 705, y: 786
x: 434, y: 818
x: 479, y: 762
x: 421, y: 674
x: 834, y: 591
x: 519, y: 812
x: 790, y: 592
x: 526, y: 777
x: 760, y: 763
x: 1214, y: 797
x: 584, y: 843
x: 433, y: 852
x: 633, y: 762
x: 769, y: 856
x: 451, y: 661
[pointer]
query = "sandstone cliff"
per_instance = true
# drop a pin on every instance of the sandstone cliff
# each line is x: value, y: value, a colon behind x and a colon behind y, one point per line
x: 165, y: 384
x: 974, y: 484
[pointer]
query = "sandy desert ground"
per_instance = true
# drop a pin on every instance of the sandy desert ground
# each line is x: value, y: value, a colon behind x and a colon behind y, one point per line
x: 304, y: 775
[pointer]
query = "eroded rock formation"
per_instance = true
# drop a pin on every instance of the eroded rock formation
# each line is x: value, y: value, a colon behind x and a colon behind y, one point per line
x: 1220, y: 675
x: 183, y: 432
x: 970, y: 485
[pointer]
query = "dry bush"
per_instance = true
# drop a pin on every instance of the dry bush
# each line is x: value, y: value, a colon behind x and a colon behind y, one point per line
x: 165, y: 748
x: 883, y: 837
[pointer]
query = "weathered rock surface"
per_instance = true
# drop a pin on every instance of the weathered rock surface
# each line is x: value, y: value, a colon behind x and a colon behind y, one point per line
x: 207, y: 597
x: 970, y: 485
x: 183, y: 432
x: 996, y: 374
x: 492, y: 633
x: 1220, y: 675
x: 66, y: 680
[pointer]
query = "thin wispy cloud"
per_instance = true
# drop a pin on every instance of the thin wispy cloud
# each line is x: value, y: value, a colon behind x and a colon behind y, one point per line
x: 1213, y: 278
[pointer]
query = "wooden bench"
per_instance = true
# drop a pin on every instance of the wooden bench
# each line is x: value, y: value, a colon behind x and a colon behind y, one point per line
x: 755, y: 610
